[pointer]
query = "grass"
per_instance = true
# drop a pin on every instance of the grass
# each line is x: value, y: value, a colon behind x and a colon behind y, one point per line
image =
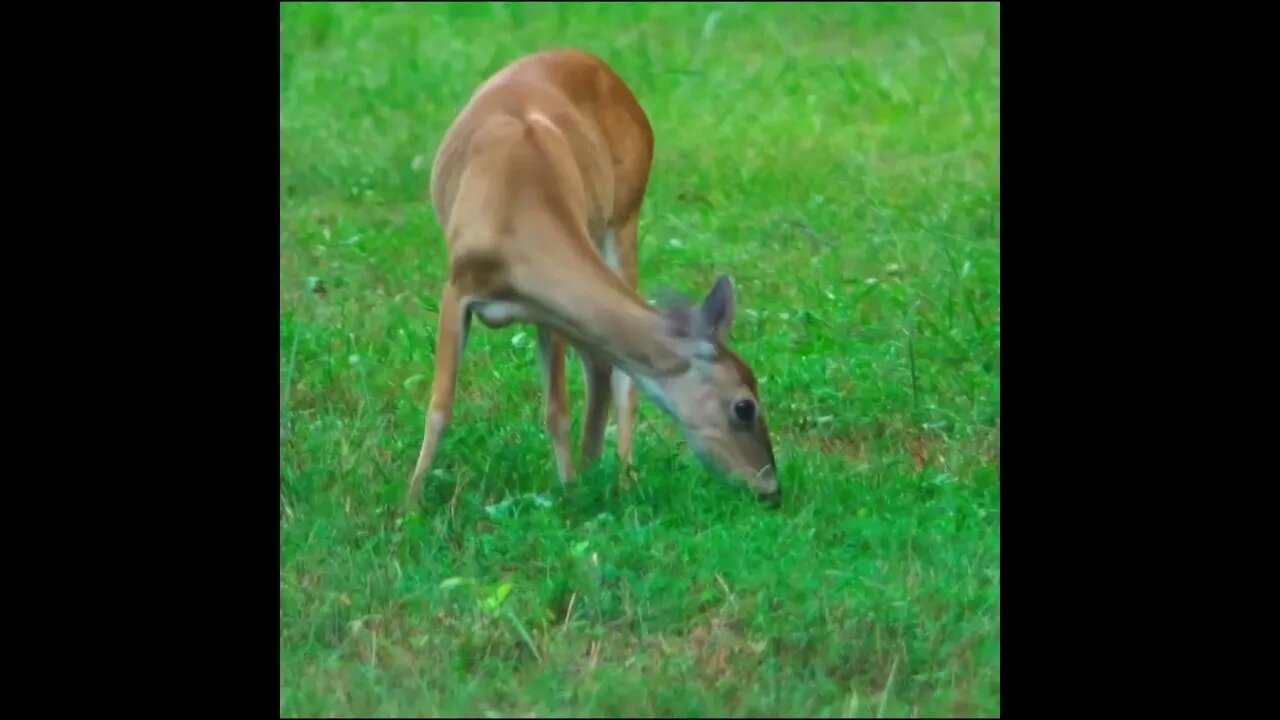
x: 842, y: 163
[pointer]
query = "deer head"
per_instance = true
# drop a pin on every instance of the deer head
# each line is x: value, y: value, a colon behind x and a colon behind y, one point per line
x: 715, y: 399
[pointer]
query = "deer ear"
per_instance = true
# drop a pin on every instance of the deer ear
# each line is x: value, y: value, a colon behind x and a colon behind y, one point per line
x: 717, y: 311
x: 679, y: 322
x: 683, y: 324
x: 678, y: 315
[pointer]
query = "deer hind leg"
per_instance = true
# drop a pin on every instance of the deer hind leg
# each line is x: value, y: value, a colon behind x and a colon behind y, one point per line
x: 621, y: 254
x: 451, y: 341
x: 551, y: 352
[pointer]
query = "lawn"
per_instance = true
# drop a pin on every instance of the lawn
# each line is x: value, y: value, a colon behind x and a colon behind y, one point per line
x: 842, y: 164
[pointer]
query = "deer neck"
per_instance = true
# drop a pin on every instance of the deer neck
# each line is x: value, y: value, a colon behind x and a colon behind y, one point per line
x: 532, y: 260
x: 576, y: 293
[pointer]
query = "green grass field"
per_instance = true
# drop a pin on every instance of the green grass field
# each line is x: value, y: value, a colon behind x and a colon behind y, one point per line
x: 841, y: 162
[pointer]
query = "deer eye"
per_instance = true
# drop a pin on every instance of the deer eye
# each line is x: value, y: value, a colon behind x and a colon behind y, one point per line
x: 745, y: 410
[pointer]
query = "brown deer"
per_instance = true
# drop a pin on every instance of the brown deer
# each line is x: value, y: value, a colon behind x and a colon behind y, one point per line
x: 538, y: 185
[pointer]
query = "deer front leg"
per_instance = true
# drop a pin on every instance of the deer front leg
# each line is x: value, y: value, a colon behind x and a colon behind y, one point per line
x: 451, y: 341
x: 626, y: 254
x: 596, y: 371
x: 551, y: 352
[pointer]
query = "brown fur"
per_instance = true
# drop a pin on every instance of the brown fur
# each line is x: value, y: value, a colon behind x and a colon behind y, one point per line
x: 550, y: 159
